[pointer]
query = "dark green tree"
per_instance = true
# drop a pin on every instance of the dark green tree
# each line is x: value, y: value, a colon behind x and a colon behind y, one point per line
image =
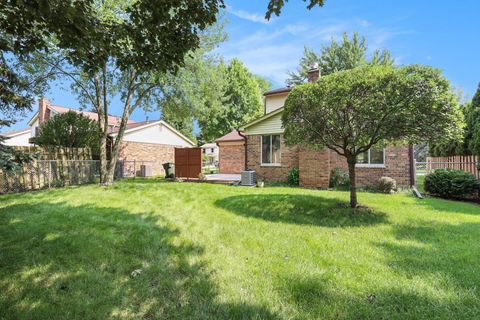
x: 472, y: 119
x: 69, y: 129
x: 351, y: 111
x: 275, y: 6
x: 337, y: 56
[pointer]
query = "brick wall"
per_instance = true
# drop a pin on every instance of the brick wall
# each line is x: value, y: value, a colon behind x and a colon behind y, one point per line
x: 397, y: 166
x: 289, y: 159
x: 231, y: 157
x: 158, y: 153
x: 314, y: 167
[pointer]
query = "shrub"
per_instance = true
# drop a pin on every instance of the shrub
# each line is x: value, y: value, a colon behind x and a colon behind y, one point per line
x: 293, y: 177
x: 339, y: 178
x: 387, y: 185
x: 448, y: 183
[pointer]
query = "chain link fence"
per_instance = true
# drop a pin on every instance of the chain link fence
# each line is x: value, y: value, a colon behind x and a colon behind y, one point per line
x: 43, y: 174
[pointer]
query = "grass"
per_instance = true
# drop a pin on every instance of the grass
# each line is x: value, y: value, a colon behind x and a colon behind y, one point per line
x: 219, y: 252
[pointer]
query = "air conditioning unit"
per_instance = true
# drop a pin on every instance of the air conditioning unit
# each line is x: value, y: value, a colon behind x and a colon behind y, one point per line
x: 249, y: 178
x: 145, y: 170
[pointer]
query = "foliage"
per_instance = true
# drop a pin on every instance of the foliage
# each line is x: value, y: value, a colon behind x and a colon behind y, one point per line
x: 216, y: 95
x: 69, y: 129
x: 293, y: 176
x: 348, y: 54
x: 275, y: 6
x: 387, y: 185
x: 353, y: 110
x: 339, y: 178
x: 119, y: 48
x: 472, y: 134
x: 448, y: 183
x: 11, y: 159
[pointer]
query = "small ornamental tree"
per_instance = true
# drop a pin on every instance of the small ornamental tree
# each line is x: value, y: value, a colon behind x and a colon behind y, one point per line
x: 69, y: 129
x: 351, y: 111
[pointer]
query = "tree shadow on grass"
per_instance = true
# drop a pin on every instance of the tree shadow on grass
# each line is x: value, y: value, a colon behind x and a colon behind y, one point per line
x: 75, y: 262
x: 449, y: 253
x: 450, y: 206
x: 321, y: 298
x: 300, y: 209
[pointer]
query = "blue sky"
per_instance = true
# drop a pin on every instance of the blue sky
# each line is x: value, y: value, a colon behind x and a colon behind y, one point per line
x: 444, y: 34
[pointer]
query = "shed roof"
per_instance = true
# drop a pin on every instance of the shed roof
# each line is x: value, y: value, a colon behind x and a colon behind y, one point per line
x: 234, y: 135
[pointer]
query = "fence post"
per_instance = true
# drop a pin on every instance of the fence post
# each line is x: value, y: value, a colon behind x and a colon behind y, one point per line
x: 49, y: 173
x: 134, y: 169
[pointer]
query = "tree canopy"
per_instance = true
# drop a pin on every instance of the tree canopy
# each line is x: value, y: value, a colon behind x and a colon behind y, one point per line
x: 69, y: 129
x: 354, y: 110
x: 337, y: 56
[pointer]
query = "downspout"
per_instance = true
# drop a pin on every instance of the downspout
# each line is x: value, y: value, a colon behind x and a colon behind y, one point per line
x: 245, y: 146
x: 412, y: 165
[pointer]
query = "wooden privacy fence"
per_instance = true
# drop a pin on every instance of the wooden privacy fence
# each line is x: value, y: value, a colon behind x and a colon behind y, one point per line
x: 44, y: 174
x: 52, y: 167
x: 464, y: 163
x: 188, y: 162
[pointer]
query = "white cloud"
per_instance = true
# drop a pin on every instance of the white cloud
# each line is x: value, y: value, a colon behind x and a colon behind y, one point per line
x: 273, y: 50
x: 242, y: 14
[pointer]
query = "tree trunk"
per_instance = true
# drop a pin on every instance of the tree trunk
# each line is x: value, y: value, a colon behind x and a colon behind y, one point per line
x: 103, y: 158
x: 353, y: 188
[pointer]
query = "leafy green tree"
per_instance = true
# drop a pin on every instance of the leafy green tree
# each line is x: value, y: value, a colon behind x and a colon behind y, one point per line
x: 351, y: 111
x: 472, y: 118
x: 215, y: 95
x: 348, y: 54
x: 69, y: 129
x: 242, y: 104
x: 123, y: 50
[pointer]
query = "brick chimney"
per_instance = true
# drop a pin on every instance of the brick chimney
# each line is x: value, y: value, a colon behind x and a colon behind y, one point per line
x: 43, y: 111
x: 313, y: 72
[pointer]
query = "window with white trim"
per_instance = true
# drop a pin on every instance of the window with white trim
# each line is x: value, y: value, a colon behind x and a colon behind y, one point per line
x: 373, y: 157
x: 270, y: 149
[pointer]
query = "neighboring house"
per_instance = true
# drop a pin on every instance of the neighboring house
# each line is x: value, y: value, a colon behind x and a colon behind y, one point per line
x: 231, y: 152
x: 210, y: 152
x: 17, y: 138
x: 271, y: 158
x: 150, y: 142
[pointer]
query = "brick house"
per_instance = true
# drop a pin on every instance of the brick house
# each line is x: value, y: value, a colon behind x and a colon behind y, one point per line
x: 150, y: 142
x: 271, y: 158
x: 231, y: 152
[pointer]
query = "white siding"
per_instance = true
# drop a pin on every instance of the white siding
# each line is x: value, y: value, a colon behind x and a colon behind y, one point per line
x: 33, y: 128
x: 269, y: 125
x: 275, y: 102
x: 19, y: 140
x: 157, y: 134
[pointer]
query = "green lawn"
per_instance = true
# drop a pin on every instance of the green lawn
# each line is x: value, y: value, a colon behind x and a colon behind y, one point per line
x: 219, y: 252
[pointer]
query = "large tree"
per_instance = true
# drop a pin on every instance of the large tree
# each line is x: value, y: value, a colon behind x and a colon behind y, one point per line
x: 125, y: 52
x: 218, y: 96
x: 352, y: 111
x: 337, y: 56
x: 472, y: 118
x: 242, y: 103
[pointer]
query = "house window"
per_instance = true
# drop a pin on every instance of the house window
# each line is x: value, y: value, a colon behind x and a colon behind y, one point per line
x: 271, y: 150
x: 212, y: 150
x: 374, y: 157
